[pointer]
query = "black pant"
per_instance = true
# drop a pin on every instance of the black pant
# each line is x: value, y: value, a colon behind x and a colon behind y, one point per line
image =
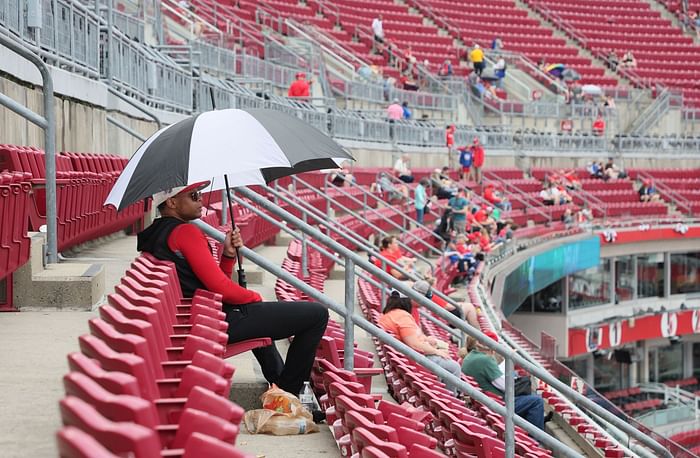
x: 306, y: 321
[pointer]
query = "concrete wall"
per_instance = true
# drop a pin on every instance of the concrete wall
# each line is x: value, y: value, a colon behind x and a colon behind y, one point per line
x: 532, y: 325
x: 80, y: 127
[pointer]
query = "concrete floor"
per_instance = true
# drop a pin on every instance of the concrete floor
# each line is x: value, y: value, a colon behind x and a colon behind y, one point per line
x: 34, y: 348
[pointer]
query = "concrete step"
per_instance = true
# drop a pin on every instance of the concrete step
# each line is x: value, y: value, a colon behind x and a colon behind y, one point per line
x: 60, y: 286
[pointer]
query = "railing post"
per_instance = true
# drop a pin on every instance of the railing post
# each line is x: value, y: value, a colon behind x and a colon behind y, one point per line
x: 349, y: 344
x: 304, y: 251
x: 510, y: 409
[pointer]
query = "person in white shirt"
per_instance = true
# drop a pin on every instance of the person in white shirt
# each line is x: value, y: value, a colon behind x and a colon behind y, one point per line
x: 401, y: 168
x: 378, y: 29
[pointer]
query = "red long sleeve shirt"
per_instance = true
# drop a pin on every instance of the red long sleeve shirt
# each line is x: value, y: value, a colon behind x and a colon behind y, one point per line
x: 192, y: 244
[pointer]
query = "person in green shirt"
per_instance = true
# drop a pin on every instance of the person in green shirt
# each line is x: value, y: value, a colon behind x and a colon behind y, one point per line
x: 481, y: 365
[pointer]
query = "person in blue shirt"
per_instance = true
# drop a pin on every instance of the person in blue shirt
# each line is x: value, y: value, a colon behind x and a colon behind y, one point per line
x: 459, y: 206
x: 647, y: 192
x: 421, y: 199
x: 465, y: 160
x: 406, y: 111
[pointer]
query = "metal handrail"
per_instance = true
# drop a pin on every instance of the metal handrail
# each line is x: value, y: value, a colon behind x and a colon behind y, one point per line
x: 333, y: 226
x: 530, y: 202
x: 327, y: 183
x: 191, y: 19
x: 561, y: 369
x: 48, y: 124
x: 362, y: 31
x: 507, y: 353
x: 326, y: 45
x: 403, y: 245
x: 352, y: 319
x: 676, y: 198
x: 350, y: 235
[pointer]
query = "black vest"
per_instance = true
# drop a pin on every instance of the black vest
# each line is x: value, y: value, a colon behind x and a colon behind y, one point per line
x: 157, y: 245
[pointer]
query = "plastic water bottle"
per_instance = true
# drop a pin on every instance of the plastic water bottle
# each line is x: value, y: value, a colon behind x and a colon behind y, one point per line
x: 306, y: 396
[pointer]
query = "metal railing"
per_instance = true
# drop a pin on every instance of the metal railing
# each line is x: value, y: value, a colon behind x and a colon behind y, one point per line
x: 68, y: 35
x: 565, y: 374
x: 353, y: 259
x: 682, y: 204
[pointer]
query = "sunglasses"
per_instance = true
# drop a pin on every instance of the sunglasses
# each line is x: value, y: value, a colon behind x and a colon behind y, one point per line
x: 196, y: 196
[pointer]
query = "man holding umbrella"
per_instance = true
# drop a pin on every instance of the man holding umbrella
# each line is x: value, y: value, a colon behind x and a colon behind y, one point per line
x: 171, y: 238
x: 244, y: 147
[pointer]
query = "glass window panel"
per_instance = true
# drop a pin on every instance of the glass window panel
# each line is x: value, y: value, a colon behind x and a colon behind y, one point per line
x: 591, y: 286
x: 624, y: 278
x: 670, y: 362
x: 685, y: 273
x: 609, y: 374
x: 650, y: 275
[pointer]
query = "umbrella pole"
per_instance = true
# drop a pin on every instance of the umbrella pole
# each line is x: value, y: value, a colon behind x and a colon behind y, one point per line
x: 241, y: 272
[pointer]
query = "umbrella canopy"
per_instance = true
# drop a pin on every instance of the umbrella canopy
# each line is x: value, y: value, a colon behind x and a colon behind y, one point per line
x: 550, y: 67
x: 250, y: 147
x: 591, y: 89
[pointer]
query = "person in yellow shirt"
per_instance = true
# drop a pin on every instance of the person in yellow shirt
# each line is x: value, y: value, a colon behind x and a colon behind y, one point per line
x: 477, y: 58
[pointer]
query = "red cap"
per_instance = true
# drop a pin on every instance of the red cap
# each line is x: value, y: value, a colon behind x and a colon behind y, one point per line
x: 301, y: 75
x: 476, y: 140
x: 491, y: 334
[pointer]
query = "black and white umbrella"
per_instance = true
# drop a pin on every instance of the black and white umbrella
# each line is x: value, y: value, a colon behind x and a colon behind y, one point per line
x: 230, y: 148
x: 247, y: 147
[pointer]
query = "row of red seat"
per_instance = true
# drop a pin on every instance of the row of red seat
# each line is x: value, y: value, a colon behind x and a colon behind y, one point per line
x: 83, y: 182
x: 14, y: 205
x: 150, y: 379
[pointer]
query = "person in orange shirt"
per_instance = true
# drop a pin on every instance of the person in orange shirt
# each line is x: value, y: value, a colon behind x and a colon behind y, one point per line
x: 300, y: 87
x: 397, y: 320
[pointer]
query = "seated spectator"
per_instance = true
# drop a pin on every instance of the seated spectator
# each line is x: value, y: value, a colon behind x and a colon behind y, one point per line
x: 613, y: 171
x: 647, y: 192
x: 398, y: 320
x: 401, y: 168
x: 481, y: 365
x: 467, y: 311
x: 459, y: 206
x: 342, y: 176
x: 504, y: 232
x: 599, y: 126
x: 499, y: 70
x: 391, y: 252
x: 406, y: 111
x: 595, y: 169
x: 567, y: 218
x: 386, y: 184
x: 446, y: 69
x: 407, y: 83
x: 585, y: 216
x: 300, y: 87
x: 628, y: 60
x: 171, y: 238
x: 443, y: 188
x: 559, y: 195
x: 497, y: 44
x: 460, y: 251
x: 494, y: 197
x: 546, y: 196
x: 569, y: 178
